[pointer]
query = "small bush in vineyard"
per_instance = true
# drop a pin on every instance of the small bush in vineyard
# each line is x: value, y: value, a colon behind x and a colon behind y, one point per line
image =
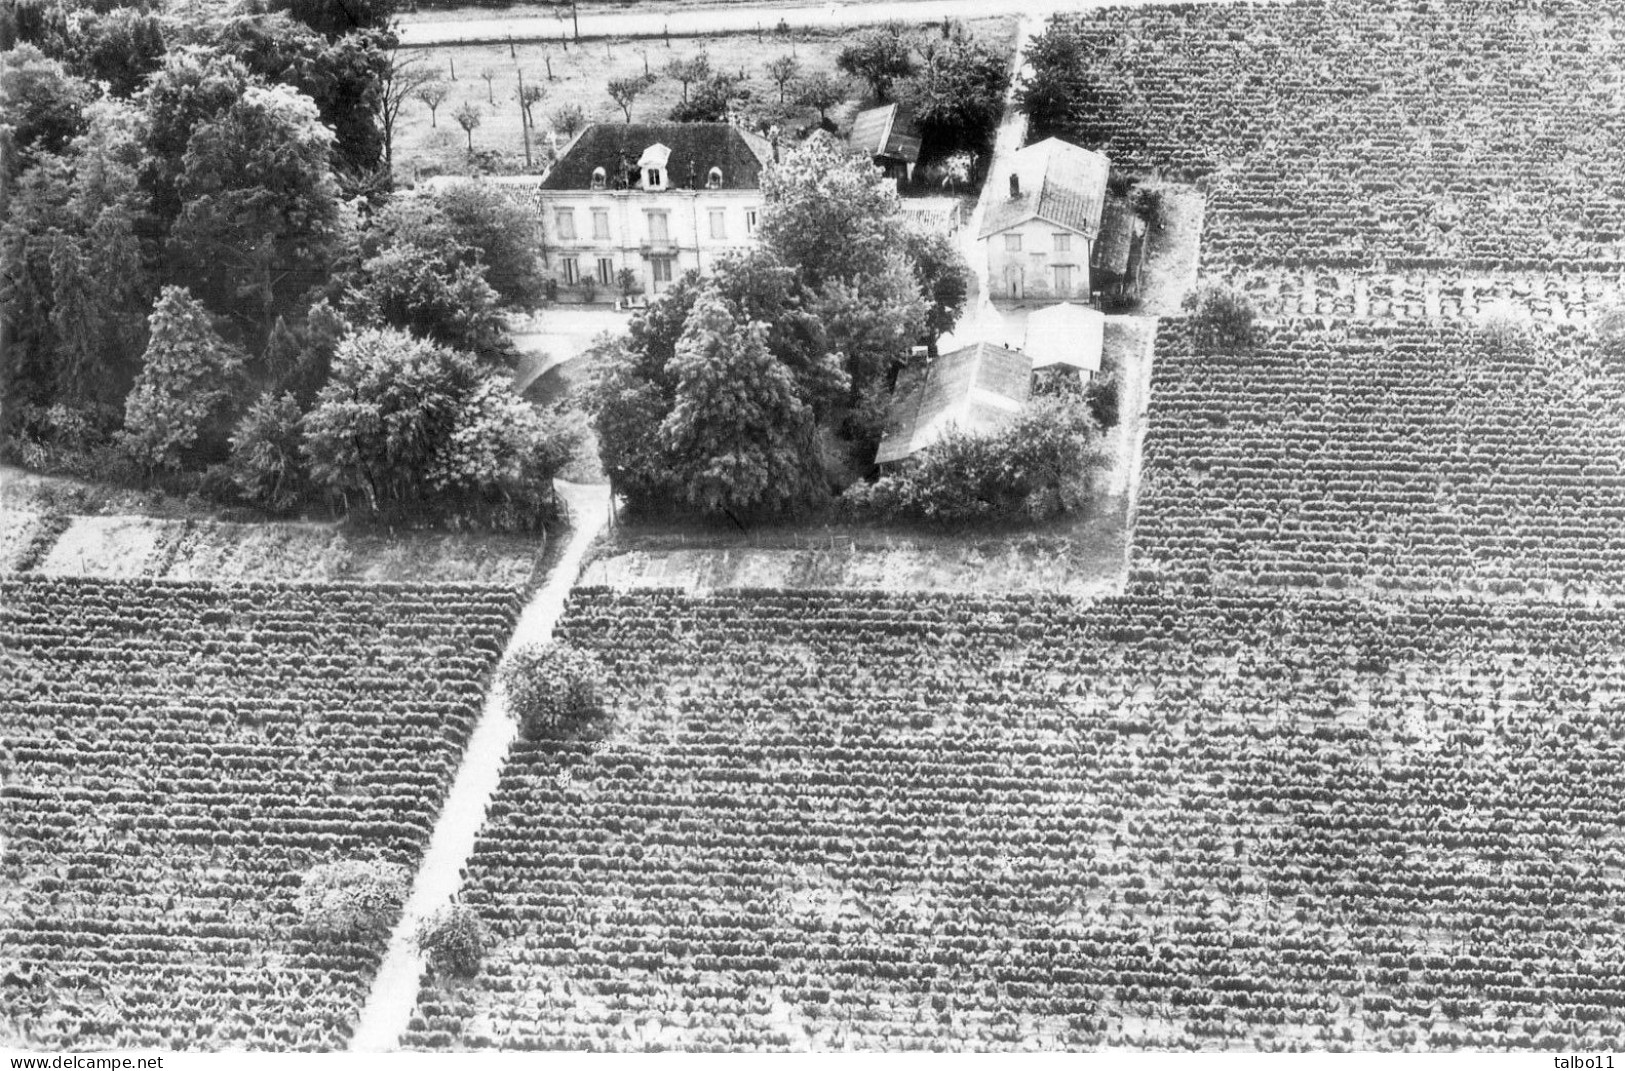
x: 1504, y: 331
x: 453, y: 939
x: 1608, y: 330
x: 556, y: 693
x: 1221, y: 320
x: 351, y: 897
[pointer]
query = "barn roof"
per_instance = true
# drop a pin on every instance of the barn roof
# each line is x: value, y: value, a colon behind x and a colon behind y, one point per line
x: 1059, y: 183
x: 695, y: 149
x: 1119, y: 228
x: 1068, y: 334
x: 887, y: 131
x: 977, y: 389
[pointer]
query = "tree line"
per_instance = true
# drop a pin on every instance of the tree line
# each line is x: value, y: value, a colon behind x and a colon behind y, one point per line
x: 208, y: 284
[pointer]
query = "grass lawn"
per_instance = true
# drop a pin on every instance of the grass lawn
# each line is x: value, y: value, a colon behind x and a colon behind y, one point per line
x: 1082, y: 556
x: 428, y: 144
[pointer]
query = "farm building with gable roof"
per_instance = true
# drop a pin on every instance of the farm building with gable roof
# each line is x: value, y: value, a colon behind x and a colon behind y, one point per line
x: 976, y: 389
x: 888, y: 136
x: 1038, y: 239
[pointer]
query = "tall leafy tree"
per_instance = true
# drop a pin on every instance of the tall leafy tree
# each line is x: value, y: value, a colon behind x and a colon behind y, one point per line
x: 943, y: 275
x: 879, y: 56
x: 820, y: 91
x: 435, y: 293
x: 346, y: 77
x: 42, y: 105
x: 829, y: 212
x: 831, y: 216
x: 484, y: 227
x: 121, y: 47
x: 348, y: 85
x: 408, y: 425
x: 337, y: 18
x: 266, y: 460
x: 760, y: 287
x: 957, y: 95
x: 632, y: 391
x: 177, y: 406
x: 1064, y: 95
x: 387, y: 408
x: 76, y: 246
x: 196, y: 85
x: 39, y: 210
x: 739, y: 440
x: 261, y: 212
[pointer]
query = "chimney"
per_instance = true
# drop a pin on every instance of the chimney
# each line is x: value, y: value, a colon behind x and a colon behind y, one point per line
x: 1015, y: 186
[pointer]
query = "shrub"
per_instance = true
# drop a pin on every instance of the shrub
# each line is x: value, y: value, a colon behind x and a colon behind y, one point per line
x: 453, y: 939
x: 627, y: 280
x: 1149, y: 205
x: 1504, y: 329
x: 1608, y: 330
x: 1103, y: 396
x: 1038, y: 466
x: 266, y: 466
x: 351, y: 898
x: 556, y: 692
x: 1221, y: 320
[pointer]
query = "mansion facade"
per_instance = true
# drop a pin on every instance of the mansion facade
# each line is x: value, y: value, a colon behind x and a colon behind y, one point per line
x: 655, y: 199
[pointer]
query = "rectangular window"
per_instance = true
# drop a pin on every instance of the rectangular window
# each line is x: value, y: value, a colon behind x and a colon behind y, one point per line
x: 1063, y: 278
x: 719, y: 223
x: 1063, y: 242
x: 572, y: 271
x: 600, y: 223
x: 606, y: 271
x: 750, y: 221
x: 660, y: 272
x: 1012, y: 243
x: 658, y: 230
x: 565, y: 218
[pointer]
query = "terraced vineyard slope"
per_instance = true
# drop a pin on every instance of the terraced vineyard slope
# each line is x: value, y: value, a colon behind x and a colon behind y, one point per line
x: 884, y: 821
x: 177, y: 755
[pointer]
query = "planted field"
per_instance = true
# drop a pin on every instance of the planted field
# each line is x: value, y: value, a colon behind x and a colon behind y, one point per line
x: 177, y: 756
x: 1406, y: 134
x: 872, y: 821
x: 1389, y: 457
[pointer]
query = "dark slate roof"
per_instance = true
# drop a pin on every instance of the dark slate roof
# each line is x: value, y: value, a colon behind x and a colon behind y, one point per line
x: 976, y: 388
x: 1119, y: 227
x: 700, y: 146
x: 1071, y: 189
x: 888, y: 132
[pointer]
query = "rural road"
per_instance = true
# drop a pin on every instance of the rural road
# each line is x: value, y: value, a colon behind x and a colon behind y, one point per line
x: 694, y: 21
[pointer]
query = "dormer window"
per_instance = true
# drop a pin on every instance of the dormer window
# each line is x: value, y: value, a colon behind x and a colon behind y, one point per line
x: 652, y: 164
x: 599, y: 178
x: 713, y: 181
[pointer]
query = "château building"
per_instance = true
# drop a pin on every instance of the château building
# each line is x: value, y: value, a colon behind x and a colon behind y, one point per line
x: 656, y: 198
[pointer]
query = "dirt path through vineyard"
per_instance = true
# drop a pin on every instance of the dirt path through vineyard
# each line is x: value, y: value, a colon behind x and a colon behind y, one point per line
x: 395, y: 989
